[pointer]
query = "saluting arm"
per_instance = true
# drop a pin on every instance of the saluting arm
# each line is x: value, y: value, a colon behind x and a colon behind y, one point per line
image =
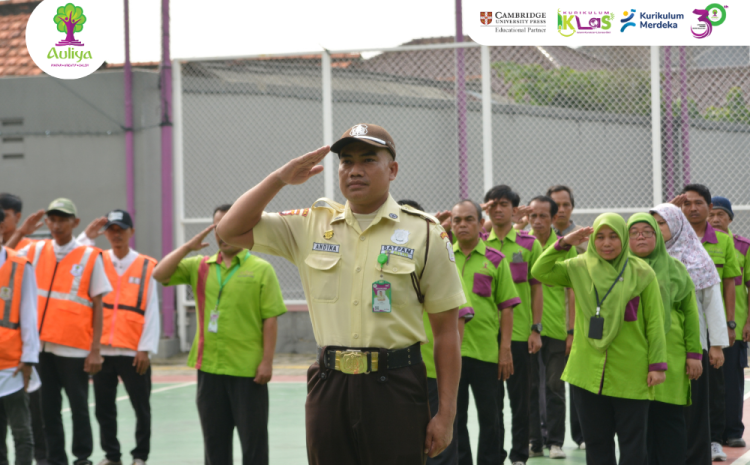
x: 236, y: 227
x: 167, y: 266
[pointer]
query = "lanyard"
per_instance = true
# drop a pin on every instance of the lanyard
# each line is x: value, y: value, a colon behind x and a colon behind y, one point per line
x: 600, y: 303
x: 229, y: 276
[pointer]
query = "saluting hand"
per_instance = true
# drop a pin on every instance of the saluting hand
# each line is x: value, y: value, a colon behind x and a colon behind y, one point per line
x: 196, y: 243
x: 693, y: 368
x: 32, y: 223
x: 578, y: 237
x: 303, y: 168
x: 94, y: 229
x: 679, y: 200
x: 445, y: 219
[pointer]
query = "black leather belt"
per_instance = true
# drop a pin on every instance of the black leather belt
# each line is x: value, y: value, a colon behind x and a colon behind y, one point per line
x: 366, y: 360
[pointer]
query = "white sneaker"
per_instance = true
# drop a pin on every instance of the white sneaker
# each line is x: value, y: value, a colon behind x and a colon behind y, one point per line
x: 109, y: 462
x: 138, y: 462
x: 533, y: 453
x: 517, y: 463
x: 717, y: 453
x: 556, y: 452
x: 582, y: 446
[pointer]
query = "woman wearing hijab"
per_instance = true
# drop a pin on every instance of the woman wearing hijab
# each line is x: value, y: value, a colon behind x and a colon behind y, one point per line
x: 619, y: 346
x: 683, y: 244
x: 667, y: 435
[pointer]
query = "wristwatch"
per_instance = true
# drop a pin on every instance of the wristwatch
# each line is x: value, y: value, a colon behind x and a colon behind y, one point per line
x: 537, y: 327
x: 570, y: 332
x: 731, y: 324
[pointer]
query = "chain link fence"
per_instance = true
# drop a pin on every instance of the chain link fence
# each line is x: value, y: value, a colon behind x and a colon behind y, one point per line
x: 529, y: 117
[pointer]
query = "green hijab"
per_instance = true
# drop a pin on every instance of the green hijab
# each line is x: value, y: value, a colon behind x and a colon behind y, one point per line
x: 590, y: 269
x: 674, y: 281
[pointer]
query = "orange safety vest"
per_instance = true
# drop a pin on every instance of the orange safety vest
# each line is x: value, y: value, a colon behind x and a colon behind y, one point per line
x: 11, y: 282
x: 65, y: 308
x: 23, y: 243
x: 125, y: 307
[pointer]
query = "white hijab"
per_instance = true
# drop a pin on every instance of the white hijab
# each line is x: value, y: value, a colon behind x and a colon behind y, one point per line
x: 687, y: 248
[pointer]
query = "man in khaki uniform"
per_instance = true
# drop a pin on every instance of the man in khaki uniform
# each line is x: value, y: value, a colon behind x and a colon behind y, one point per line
x: 369, y: 269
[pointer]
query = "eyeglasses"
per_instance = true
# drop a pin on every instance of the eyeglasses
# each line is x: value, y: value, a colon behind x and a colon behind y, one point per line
x: 646, y: 234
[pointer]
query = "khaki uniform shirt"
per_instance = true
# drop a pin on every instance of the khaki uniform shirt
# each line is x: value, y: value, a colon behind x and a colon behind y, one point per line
x: 338, y: 264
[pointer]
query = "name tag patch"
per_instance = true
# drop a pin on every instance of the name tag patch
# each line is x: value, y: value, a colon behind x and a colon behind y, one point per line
x: 5, y: 293
x: 326, y: 247
x: 396, y: 250
x: 134, y: 280
x: 76, y: 270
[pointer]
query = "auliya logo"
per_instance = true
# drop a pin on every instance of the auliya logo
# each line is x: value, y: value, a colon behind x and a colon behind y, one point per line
x: 627, y: 20
x: 68, y: 41
x: 714, y: 15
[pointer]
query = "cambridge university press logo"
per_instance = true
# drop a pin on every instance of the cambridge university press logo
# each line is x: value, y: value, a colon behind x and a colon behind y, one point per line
x: 68, y: 41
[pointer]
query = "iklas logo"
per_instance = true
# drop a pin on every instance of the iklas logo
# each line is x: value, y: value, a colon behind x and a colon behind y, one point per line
x: 70, y: 46
x: 570, y: 22
x: 713, y: 15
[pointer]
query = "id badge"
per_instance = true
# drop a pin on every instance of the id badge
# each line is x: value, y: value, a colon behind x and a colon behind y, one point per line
x: 213, y: 321
x: 381, y: 297
x: 596, y: 327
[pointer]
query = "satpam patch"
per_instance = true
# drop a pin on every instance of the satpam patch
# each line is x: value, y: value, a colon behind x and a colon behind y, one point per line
x: 405, y: 252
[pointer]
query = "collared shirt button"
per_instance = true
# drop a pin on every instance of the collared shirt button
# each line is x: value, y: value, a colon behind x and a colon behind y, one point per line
x: 358, y: 269
x: 356, y: 302
x: 355, y: 336
x: 361, y: 238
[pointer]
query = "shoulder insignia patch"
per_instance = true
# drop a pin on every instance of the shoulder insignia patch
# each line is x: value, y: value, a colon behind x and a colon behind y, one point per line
x: 328, y: 203
x: 297, y: 211
x: 742, y: 244
x: 444, y: 235
x: 421, y: 214
x: 525, y: 241
x: 494, y: 255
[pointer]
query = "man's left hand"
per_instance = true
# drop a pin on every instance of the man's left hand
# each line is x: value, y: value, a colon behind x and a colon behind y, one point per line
x: 439, y: 435
x: 25, y: 372
x: 732, y: 337
x: 264, y: 372
x: 535, y: 342
x: 93, y: 363
x: 141, y: 362
x: 568, y: 344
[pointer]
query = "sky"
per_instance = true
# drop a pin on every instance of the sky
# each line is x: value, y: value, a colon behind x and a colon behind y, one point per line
x: 215, y: 28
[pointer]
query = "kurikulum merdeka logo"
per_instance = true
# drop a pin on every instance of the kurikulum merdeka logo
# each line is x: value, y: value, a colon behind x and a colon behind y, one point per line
x: 68, y: 40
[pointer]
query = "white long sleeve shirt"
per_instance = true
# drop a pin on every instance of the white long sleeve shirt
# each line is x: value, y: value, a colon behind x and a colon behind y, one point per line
x: 711, y: 317
x: 152, y: 326
x: 29, y: 334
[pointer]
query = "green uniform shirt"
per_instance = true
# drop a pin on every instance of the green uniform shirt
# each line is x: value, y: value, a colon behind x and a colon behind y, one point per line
x: 554, y: 315
x: 742, y: 252
x: 251, y: 295
x: 720, y: 248
x: 622, y: 370
x: 428, y: 349
x: 522, y: 251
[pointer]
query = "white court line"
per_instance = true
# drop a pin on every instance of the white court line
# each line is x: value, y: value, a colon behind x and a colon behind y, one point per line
x: 166, y: 388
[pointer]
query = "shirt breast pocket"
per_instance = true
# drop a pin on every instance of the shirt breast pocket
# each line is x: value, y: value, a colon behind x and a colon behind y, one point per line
x: 631, y: 309
x: 482, y: 285
x: 398, y: 273
x: 324, y: 276
x: 719, y: 262
x: 519, y: 272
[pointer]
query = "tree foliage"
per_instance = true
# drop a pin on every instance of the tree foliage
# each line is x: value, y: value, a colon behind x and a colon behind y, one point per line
x: 70, y: 15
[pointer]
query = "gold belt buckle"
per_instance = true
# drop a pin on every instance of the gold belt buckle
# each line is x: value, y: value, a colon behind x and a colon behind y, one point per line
x: 354, y: 362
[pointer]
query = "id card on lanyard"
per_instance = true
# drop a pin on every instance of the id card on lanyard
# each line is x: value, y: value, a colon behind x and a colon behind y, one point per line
x: 213, y: 320
x: 596, y: 324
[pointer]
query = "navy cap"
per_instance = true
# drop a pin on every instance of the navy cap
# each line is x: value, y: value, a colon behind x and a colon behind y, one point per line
x: 119, y: 217
x: 723, y: 203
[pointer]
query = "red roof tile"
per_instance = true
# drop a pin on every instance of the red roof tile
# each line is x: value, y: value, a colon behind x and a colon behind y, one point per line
x: 14, y: 57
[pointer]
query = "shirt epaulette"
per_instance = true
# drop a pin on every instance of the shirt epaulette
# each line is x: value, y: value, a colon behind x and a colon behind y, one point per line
x: 413, y: 211
x: 742, y: 244
x: 494, y: 255
x: 525, y: 241
x: 328, y: 203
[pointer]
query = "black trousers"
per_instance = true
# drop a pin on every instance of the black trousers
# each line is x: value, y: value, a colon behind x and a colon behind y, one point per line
x: 667, y: 434
x: 18, y: 416
x: 225, y: 402
x: 482, y: 378
x: 575, y: 423
x: 105, y: 394
x: 58, y: 373
x: 735, y: 362
x: 547, y: 399
x: 697, y: 420
x: 603, y: 417
x: 450, y: 455
x: 717, y: 402
x: 518, y: 393
x: 37, y: 426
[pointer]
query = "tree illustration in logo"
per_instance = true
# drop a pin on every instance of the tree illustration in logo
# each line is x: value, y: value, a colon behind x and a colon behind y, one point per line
x: 70, y: 19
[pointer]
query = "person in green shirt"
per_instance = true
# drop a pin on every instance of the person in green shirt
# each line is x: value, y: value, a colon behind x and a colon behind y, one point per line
x: 619, y: 345
x: 557, y: 338
x: 238, y: 298
x: 667, y: 431
x: 735, y: 357
x: 695, y: 202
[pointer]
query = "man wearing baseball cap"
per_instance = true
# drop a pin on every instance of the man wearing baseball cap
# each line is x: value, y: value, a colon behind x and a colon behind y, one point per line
x: 369, y: 269
x: 70, y: 285
x: 130, y: 332
x: 735, y: 357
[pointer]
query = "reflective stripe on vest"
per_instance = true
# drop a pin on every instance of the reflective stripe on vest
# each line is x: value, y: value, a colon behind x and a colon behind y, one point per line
x: 5, y: 322
x: 62, y: 296
x: 141, y: 287
x: 37, y: 253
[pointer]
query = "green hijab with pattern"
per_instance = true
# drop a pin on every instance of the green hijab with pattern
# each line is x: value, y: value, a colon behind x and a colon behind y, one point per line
x: 590, y: 270
x: 674, y: 281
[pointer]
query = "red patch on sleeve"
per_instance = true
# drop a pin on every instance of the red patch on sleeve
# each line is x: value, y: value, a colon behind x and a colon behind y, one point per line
x: 298, y: 211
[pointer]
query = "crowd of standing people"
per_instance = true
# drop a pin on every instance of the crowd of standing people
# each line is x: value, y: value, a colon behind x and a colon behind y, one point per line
x: 644, y: 319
